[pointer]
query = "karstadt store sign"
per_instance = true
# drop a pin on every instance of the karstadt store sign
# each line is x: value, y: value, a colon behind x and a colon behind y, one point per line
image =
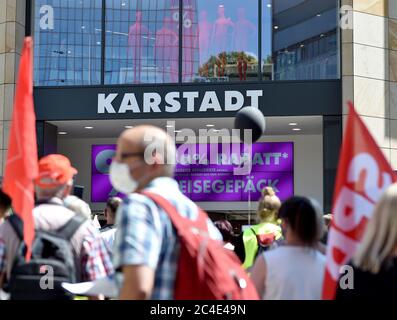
x: 183, y: 101
x: 176, y: 102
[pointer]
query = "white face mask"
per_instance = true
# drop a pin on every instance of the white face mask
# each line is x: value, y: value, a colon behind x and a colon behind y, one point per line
x: 121, y: 179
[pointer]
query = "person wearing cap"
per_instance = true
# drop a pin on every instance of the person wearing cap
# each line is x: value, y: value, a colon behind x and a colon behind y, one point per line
x: 53, y: 184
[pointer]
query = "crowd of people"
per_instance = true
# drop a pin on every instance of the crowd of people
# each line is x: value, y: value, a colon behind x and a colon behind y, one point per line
x: 283, y: 255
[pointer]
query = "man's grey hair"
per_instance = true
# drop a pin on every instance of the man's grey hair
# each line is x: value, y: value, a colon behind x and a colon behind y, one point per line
x: 49, y: 193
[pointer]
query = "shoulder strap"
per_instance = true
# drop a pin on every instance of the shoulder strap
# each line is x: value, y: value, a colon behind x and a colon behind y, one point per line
x: 177, y: 220
x: 70, y: 228
x: 256, y: 237
x: 17, y: 225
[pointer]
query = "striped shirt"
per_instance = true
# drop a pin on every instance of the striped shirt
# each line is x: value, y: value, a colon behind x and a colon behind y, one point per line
x: 145, y: 235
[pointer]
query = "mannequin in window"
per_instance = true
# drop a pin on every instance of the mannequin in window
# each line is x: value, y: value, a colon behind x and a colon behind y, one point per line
x: 204, y: 37
x: 204, y: 70
x: 221, y: 65
x: 190, y: 41
x: 138, y: 40
x: 244, y: 32
x: 221, y: 31
x: 242, y: 67
x: 166, y: 51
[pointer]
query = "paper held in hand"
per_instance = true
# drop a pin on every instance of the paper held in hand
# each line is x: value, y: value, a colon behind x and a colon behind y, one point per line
x: 104, y: 286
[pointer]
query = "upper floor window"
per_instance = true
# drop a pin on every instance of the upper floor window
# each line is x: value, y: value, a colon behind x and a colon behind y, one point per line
x: 78, y: 42
x: 300, y: 40
x: 142, y: 41
x: 220, y: 40
x: 67, y: 42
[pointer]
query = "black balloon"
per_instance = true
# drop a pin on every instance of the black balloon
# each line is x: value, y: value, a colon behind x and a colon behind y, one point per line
x: 250, y: 118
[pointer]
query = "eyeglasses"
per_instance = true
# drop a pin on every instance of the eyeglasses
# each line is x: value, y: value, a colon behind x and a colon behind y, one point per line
x: 124, y: 156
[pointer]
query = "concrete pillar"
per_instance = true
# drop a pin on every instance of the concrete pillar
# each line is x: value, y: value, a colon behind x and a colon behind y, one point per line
x: 369, y: 69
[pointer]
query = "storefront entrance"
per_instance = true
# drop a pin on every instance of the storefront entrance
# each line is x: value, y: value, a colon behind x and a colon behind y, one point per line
x: 289, y: 157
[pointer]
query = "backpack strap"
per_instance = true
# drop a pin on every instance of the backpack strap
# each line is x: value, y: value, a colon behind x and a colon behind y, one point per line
x: 256, y: 237
x: 70, y: 228
x: 179, y: 222
x: 17, y: 225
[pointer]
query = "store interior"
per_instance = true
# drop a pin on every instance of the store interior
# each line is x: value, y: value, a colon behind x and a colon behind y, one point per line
x: 76, y: 139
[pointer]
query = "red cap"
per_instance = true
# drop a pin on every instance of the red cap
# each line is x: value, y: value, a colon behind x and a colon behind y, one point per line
x: 54, y: 170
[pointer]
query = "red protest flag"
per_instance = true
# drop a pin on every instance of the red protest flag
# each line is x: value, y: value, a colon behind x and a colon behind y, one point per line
x: 21, y: 166
x: 363, y: 176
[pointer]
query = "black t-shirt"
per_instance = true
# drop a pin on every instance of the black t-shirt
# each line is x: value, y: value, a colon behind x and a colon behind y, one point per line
x: 380, y: 286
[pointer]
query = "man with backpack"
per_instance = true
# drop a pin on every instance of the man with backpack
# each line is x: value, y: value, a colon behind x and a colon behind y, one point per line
x: 66, y: 248
x: 166, y: 247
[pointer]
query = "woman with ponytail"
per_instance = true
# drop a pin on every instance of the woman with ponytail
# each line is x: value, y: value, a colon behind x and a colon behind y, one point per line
x: 295, y: 270
x: 269, y: 204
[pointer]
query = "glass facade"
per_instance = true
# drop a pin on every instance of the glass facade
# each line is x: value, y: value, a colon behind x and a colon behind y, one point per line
x: 220, y: 40
x: 301, y: 40
x: 111, y: 42
x: 142, y: 41
x: 67, y: 42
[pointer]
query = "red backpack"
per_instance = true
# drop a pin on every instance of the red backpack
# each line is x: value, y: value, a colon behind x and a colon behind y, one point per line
x: 206, y: 270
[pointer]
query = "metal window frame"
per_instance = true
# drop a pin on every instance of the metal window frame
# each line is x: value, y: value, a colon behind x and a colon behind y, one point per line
x: 29, y: 30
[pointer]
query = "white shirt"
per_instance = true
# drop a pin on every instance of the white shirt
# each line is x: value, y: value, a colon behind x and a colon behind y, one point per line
x: 294, y: 273
x: 108, y: 236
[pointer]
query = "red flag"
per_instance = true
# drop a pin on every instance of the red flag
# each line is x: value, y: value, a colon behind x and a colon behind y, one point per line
x: 363, y: 176
x: 21, y: 166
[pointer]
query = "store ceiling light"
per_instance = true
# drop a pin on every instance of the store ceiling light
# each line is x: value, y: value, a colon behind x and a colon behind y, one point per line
x: 210, y: 125
x: 128, y: 127
x: 62, y: 133
x: 296, y: 129
x: 178, y: 131
x: 318, y: 14
x: 269, y: 5
x: 293, y: 124
x: 276, y: 27
x: 89, y: 128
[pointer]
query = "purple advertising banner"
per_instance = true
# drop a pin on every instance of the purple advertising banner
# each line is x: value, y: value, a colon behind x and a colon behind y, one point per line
x: 206, y: 172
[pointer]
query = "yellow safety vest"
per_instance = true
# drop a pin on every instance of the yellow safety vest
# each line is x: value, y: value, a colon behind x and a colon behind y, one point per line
x: 250, y: 241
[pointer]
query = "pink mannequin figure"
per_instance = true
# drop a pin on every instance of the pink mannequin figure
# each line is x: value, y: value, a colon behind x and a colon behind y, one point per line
x: 220, y: 31
x: 138, y: 39
x: 190, y: 40
x: 204, y: 36
x: 166, y: 51
x: 244, y: 31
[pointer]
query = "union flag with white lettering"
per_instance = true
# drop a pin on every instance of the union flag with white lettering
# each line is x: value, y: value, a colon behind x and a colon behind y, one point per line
x: 363, y: 176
